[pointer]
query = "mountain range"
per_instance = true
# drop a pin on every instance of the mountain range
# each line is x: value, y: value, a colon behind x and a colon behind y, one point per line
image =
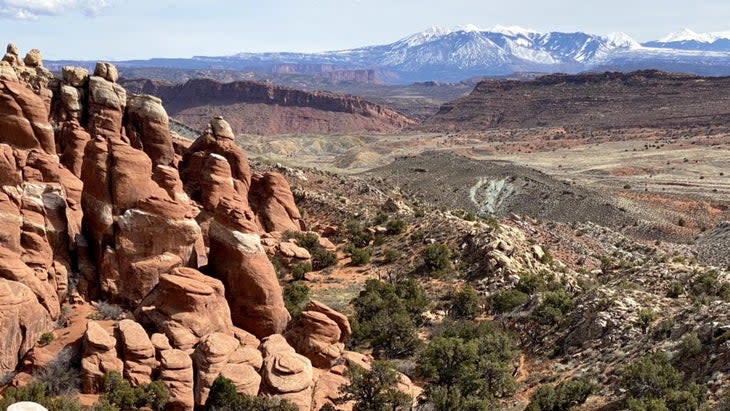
x: 440, y: 54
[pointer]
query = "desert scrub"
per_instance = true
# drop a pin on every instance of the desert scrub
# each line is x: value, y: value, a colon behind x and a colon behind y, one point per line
x: 361, y: 256
x: 553, y: 308
x: 653, y: 383
x: 45, y: 339
x: 224, y: 396
x: 107, y: 311
x: 562, y: 397
x: 390, y: 255
x: 646, y: 318
x: 300, y: 270
x: 321, y: 257
x: 465, y: 304
x: 508, y: 300
x: 386, y: 316
x: 296, y: 294
x: 396, y: 226
x: 435, y: 257
x: 467, y: 365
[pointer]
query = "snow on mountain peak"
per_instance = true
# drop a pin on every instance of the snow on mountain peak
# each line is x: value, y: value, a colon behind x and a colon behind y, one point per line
x: 622, y: 40
x: 469, y: 28
x: 687, y: 35
x: 512, y: 30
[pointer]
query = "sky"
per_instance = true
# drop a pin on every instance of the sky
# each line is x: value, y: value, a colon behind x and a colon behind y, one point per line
x: 135, y: 29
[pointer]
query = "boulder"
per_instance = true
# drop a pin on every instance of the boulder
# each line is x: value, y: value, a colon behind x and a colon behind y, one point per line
x: 252, y: 288
x: 75, y: 76
x: 33, y: 58
x: 148, y: 129
x: 319, y: 334
x: 221, y: 354
x: 138, y: 352
x: 176, y: 372
x: 24, y: 118
x: 273, y: 203
x: 107, y: 71
x: 22, y: 321
x: 186, y: 306
x: 99, y: 356
x: 286, y: 374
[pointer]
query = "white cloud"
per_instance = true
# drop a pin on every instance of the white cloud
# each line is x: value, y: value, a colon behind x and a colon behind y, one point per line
x: 33, y: 9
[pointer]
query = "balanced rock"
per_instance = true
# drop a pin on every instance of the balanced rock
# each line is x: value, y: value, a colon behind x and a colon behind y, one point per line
x: 33, y: 58
x: 186, y: 306
x: 273, y: 202
x: 148, y: 129
x: 221, y: 354
x: 286, y: 374
x: 75, y: 76
x: 176, y: 372
x: 319, y: 334
x: 99, y: 356
x: 107, y: 71
x: 138, y: 352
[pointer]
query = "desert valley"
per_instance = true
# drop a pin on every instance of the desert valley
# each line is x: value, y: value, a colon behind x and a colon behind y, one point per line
x: 464, y: 219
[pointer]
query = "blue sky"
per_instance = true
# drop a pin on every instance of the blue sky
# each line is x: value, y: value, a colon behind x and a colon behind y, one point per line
x: 125, y: 29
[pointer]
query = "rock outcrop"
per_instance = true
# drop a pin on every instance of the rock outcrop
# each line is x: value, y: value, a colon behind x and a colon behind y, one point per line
x: 186, y: 306
x: 124, y: 207
x: 236, y: 254
x: 176, y: 372
x: 221, y: 354
x: 40, y: 210
x: 22, y: 321
x: 319, y: 334
x: 89, y: 184
x: 99, y: 356
x: 137, y: 351
x: 286, y: 374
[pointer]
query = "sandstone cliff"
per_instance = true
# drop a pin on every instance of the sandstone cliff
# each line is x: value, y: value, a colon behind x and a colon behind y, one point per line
x: 594, y: 100
x: 259, y: 108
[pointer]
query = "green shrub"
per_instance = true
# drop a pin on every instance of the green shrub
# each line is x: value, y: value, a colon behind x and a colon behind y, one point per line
x: 469, y: 216
x: 396, y: 226
x: 300, y: 270
x: 690, y: 346
x: 646, y: 317
x: 361, y: 256
x: 675, y: 290
x: 435, y: 257
x: 46, y: 338
x: 375, y: 389
x: 296, y: 294
x: 531, y: 283
x: 321, y: 258
x: 386, y: 316
x: 465, y: 304
x: 652, y: 383
x: 563, y: 397
x: 223, y: 397
x: 278, y: 266
x: 508, y: 300
x: 553, y: 308
x: 391, y: 255
x: 118, y: 392
x: 60, y: 376
x: 467, y: 365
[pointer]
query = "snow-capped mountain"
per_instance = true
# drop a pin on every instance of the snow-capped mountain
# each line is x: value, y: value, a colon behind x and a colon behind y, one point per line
x: 687, y: 39
x: 454, y: 54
